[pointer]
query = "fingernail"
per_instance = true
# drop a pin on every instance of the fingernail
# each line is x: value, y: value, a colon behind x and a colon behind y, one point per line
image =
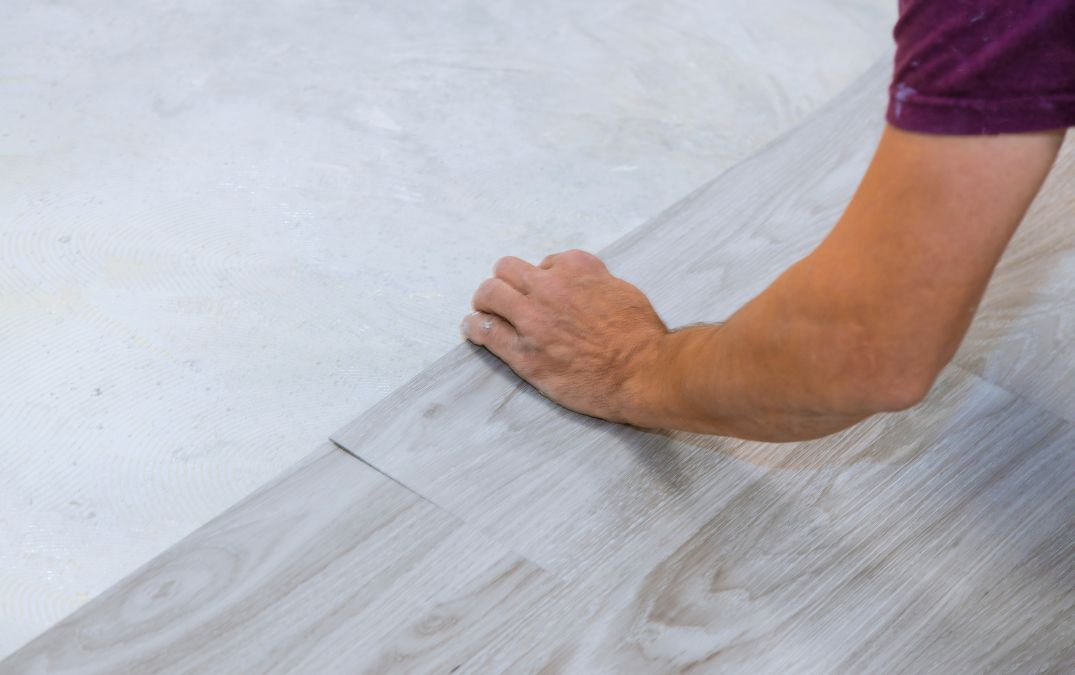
x: 463, y: 328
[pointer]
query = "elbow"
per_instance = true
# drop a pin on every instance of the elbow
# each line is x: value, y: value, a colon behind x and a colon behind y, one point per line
x: 886, y: 377
x: 900, y: 391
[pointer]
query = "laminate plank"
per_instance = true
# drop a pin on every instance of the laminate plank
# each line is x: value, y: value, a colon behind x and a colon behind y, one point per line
x: 942, y: 540
x: 825, y: 542
x: 901, y: 557
x: 958, y: 558
x: 332, y: 568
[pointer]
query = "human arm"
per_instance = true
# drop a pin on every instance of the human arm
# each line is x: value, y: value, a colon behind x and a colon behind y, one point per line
x: 861, y: 325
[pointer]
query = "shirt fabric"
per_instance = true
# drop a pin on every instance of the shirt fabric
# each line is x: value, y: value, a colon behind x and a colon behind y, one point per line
x: 983, y: 66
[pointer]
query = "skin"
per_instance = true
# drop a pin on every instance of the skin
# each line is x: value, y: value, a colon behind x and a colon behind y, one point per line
x: 860, y: 326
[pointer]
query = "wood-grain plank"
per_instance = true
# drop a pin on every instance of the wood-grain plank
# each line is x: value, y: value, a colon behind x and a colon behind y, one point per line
x: 948, y: 526
x: 892, y: 556
x: 332, y: 568
x: 958, y: 558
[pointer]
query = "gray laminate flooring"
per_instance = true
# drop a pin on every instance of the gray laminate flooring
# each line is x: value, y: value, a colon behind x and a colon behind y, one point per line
x: 332, y: 568
x: 496, y: 531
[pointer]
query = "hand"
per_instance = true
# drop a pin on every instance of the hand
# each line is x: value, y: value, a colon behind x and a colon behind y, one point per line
x: 584, y: 338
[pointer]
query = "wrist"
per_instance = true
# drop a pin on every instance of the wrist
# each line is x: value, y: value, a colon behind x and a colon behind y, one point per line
x: 653, y: 395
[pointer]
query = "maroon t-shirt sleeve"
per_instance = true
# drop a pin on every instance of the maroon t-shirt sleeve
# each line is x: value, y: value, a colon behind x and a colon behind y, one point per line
x: 983, y: 66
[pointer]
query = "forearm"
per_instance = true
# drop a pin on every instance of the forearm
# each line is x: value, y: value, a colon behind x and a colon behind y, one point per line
x: 791, y: 364
x: 866, y: 322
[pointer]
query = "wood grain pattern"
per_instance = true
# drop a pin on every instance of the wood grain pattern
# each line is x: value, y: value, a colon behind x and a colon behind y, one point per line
x: 959, y: 560
x: 333, y: 568
x: 913, y: 540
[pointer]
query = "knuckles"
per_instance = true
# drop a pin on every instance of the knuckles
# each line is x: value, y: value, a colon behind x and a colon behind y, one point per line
x: 574, y: 258
x: 485, y: 290
x: 500, y: 267
x: 583, y: 259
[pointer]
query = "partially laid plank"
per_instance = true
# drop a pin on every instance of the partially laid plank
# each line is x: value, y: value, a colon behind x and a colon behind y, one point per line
x: 956, y: 554
x: 943, y: 536
x: 332, y: 568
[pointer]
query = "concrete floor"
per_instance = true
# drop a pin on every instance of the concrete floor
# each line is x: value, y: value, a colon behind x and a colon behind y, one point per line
x: 226, y: 228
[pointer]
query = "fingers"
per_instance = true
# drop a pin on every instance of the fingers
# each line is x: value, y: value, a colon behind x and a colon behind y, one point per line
x: 517, y: 272
x: 491, y: 332
x: 496, y: 296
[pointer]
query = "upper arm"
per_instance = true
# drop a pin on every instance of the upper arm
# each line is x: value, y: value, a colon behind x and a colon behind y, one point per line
x: 913, y: 252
